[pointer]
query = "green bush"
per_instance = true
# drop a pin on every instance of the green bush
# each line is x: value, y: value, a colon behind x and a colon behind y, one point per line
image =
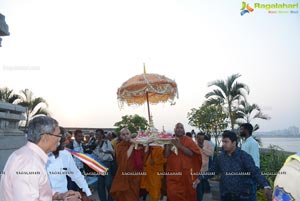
x: 271, y: 162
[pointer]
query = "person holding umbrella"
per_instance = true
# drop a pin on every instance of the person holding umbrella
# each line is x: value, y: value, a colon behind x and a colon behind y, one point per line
x: 126, y: 184
x: 182, y: 167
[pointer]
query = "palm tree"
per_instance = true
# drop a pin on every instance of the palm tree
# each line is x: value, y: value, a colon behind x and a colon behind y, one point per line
x: 228, y: 94
x: 8, y: 95
x: 35, y: 106
x: 247, y: 112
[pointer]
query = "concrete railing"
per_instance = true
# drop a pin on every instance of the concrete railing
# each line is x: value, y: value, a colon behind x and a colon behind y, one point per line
x: 11, y: 138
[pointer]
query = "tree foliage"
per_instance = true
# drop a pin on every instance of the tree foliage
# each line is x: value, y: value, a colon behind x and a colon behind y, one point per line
x: 7, y: 95
x: 228, y: 93
x: 248, y: 112
x: 132, y: 122
x: 35, y: 106
x: 209, y: 118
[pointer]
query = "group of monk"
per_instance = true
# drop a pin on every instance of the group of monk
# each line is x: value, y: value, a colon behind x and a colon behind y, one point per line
x: 144, y: 167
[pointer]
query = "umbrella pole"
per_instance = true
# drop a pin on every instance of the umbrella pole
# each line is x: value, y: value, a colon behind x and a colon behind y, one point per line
x: 148, y: 107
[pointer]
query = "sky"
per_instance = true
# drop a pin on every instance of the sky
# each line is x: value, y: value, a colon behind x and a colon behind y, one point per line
x: 76, y: 54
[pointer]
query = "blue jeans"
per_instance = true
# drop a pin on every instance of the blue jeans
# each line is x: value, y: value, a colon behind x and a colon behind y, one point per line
x: 210, y: 162
x: 200, y: 191
x: 104, y: 184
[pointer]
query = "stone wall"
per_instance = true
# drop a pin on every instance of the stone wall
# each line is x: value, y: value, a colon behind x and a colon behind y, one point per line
x: 11, y: 138
x: 3, y: 27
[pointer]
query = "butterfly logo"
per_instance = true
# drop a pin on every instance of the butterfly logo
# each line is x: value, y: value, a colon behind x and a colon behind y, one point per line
x: 246, y: 8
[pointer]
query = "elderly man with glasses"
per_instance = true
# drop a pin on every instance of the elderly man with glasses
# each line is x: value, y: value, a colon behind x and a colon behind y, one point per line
x: 25, y: 177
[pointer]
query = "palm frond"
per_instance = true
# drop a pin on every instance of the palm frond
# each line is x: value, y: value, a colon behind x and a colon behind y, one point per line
x: 35, y: 106
x: 240, y: 114
x: 37, y: 101
x: 256, y: 127
x: 229, y: 94
x: 242, y: 103
x: 248, y: 110
x: 254, y: 105
x: 220, y: 84
x: 216, y: 92
x: 27, y: 95
x: 239, y: 88
x: 230, y: 80
x: 214, y: 101
x: 8, y: 95
x: 41, y: 111
x: 260, y: 115
x: 13, y: 98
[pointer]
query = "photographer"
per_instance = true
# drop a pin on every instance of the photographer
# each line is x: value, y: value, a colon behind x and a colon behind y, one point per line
x: 104, y: 152
x: 91, y: 145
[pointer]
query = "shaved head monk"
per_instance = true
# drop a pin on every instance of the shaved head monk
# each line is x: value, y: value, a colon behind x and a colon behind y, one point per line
x: 181, y: 167
x: 126, y: 184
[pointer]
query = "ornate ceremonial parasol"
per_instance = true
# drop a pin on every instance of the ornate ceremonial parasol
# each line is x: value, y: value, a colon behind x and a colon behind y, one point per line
x: 150, y: 88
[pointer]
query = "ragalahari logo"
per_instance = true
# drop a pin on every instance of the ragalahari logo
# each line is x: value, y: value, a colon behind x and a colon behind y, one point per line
x: 246, y: 8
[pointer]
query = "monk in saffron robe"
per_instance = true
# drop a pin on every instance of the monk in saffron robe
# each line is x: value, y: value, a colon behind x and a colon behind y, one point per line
x: 182, y: 169
x: 126, y: 184
x: 153, y: 167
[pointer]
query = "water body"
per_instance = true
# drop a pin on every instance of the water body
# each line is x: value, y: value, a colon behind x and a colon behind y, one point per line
x: 287, y: 144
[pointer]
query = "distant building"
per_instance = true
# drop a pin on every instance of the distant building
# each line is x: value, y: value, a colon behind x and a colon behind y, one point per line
x: 293, y: 130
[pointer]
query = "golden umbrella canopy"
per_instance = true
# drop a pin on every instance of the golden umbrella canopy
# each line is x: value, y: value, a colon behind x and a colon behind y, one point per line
x: 150, y: 88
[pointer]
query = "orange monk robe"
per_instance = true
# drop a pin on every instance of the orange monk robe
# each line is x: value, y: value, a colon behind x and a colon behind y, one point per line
x: 153, y: 166
x: 125, y: 187
x: 179, y: 187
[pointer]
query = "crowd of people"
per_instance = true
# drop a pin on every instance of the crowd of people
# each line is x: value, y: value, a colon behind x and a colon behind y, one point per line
x: 44, y: 170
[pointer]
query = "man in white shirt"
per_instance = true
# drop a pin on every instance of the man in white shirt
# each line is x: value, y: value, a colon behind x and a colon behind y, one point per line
x: 60, y: 164
x: 250, y: 145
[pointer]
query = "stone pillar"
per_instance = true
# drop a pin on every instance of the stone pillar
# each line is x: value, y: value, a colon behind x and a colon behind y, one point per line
x: 11, y: 138
x: 3, y: 27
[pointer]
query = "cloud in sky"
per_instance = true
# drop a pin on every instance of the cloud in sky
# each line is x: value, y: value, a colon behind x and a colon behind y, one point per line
x: 76, y: 54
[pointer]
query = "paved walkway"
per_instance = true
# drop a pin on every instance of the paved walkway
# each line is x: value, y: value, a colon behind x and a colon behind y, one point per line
x: 92, y: 181
x: 207, y: 197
